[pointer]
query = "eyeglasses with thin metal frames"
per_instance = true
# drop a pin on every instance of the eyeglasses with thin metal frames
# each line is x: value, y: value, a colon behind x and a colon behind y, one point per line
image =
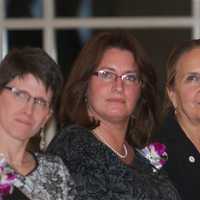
x: 25, y: 97
x: 108, y: 76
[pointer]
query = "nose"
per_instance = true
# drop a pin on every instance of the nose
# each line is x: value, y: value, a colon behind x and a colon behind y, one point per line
x: 29, y: 107
x: 118, y: 84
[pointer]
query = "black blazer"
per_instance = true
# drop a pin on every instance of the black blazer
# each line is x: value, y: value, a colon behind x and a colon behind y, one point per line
x: 183, y: 165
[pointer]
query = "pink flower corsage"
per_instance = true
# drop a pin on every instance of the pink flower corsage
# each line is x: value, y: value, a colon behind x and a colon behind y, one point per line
x: 7, y: 177
x: 156, y: 154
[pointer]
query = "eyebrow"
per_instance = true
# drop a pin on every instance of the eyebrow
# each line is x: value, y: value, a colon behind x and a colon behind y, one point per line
x: 112, y: 69
x: 194, y: 73
x: 23, y: 90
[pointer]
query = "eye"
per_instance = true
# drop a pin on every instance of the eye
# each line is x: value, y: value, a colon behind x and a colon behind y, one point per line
x: 40, y: 102
x: 106, y: 75
x: 131, y: 77
x: 193, y: 78
x: 20, y: 94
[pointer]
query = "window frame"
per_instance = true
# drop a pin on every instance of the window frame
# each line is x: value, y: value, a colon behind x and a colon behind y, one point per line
x: 49, y: 23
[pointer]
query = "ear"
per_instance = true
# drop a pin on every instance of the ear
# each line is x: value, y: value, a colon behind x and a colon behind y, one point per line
x: 172, y: 96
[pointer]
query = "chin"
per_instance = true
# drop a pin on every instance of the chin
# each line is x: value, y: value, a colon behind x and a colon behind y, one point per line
x: 22, y: 135
x: 118, y: 113
x: 118, y: 118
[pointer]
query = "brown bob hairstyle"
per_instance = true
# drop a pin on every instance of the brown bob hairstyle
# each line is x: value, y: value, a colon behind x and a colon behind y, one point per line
x: 35, y: 61
x: 73, y: 106
x: 171, y: 68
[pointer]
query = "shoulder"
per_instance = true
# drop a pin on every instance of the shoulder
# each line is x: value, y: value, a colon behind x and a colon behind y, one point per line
x: 71, y: 138
x: 51, y: 171
x: 76, y: 146
x: 68, y: 134
x: 53, y: 166
x: 75, y: 132
x: 51, y: 163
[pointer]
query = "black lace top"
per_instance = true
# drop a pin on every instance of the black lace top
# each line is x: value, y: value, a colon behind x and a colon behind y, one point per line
x: 100, y: 175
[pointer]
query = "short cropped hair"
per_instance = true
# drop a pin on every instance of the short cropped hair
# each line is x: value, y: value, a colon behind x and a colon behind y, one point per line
x: 35, y: 61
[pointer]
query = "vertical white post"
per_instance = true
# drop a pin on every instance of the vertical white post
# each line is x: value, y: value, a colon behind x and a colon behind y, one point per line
x: 196, y: 19
x: 48, y: 34
x: 3, y: 41
x: 50, y: 48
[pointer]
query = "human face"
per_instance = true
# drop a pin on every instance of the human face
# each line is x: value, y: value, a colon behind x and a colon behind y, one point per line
x: 114, y: 101
x: 20, y: 120
x: 185, y: 94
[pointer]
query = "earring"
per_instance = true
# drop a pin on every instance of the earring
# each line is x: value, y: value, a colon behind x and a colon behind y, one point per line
x: 42, y: 140
x: 174, y: 107
x: 132, y: 116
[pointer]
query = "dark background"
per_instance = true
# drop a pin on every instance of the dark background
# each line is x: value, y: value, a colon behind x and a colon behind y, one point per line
x: 158, y: 42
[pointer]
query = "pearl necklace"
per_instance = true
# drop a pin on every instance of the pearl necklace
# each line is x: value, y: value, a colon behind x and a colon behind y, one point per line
x: 116, y: 152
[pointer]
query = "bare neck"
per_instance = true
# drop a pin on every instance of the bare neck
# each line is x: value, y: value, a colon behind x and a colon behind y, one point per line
x: 14, y: 151
x: 115, y: 136
x: 115, y: 133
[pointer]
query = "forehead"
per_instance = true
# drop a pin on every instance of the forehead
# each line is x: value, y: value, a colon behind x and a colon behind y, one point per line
x: 31, y: 84
x: 118, y: 59
x: 189, y: 62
